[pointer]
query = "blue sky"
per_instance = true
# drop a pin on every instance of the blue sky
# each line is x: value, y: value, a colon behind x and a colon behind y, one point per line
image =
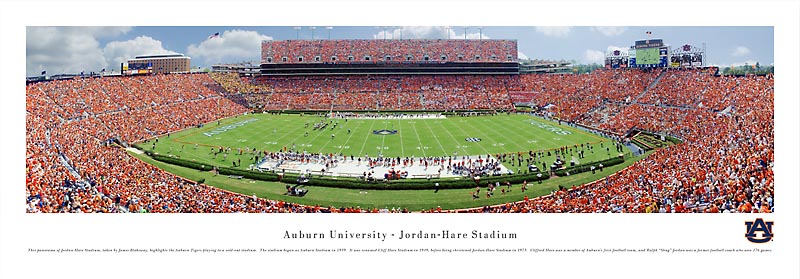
x: 75, y: 49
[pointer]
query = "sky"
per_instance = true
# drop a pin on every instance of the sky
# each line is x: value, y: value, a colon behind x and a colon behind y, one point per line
x: 65, y: 49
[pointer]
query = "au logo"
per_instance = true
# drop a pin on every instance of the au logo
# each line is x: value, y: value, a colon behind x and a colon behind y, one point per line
x: 759, y: 226
x: 384, y: 132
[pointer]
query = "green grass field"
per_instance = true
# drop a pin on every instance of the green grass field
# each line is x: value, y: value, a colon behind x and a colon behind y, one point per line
x: 414, y: 137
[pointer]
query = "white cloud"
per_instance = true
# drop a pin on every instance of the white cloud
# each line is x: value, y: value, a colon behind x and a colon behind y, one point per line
x: 429, y: 32
x: 598, y: 56
x: 415, y: 32
x: 613, y: 48
x: 740, y: 51
x: 66, y: 49
x: 594, y: 56
x: 231, y: 46
x: 102, y: 31
x: 554, y: 31
x: 522, y: 56
x: 610, y: 31
x: 120, y: 51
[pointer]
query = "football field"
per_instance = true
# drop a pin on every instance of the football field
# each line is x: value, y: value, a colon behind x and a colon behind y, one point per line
x: 416, y: 137
x: 435, y: 137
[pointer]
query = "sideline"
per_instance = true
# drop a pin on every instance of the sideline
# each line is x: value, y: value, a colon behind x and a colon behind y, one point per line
x: 134, y: 150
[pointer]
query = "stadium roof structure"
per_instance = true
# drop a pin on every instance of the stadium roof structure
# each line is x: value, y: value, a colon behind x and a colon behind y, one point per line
x: 246, y: 68
x: 162, y: 56
x: 545, y: 67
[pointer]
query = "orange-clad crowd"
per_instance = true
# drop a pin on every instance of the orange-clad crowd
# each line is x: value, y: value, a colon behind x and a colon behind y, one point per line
x: 386, y: 92
x: 232, y: 83
x: 573, y: 97
x: 723, y: 165
x: 71, y: 165
x: 372, y: 51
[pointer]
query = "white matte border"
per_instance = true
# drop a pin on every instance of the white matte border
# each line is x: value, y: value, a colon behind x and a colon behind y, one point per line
x: 20, y: 231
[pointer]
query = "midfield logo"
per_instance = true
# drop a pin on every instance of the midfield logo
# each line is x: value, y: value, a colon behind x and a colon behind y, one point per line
x: 759, y: 226
x: 472, y: 139
x: 384, y: 132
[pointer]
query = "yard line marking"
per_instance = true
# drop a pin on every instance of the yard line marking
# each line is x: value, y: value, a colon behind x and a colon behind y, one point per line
x: 461, y: 146
x: 329, y: 141
x: 319, y: 133
x: 383, y: 138
x: 351, y: 135
x: 509, y: 139
x: 278, y: 139
x: 365, y: 140
x: 418, y: 139
x: 436, y: 138
x: 485, y: 135
x: 402, y: 150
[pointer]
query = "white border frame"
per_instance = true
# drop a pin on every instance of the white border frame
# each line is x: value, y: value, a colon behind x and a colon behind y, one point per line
x: 20, y: 231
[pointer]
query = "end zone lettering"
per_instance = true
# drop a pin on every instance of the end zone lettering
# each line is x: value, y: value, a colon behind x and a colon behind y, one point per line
x: 228, y: 127
x: 551, y: 128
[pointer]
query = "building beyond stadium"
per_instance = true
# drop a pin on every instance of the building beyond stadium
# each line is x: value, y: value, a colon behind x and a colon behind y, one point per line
x: 165, y: 63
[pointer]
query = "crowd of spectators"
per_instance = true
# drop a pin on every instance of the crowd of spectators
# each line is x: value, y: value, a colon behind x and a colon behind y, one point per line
x: 723, y: 165
x: 390, y: 92
x: 72, y: 166
x: 233, y: 84
x: 672, y: 87
x: 574, y: 97
x: 371, y: 51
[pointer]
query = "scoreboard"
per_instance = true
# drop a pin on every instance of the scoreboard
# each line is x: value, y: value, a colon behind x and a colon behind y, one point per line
x: 138, y: 68
x: 653, y: 53
x: 647, y: 56
x: 650, y: 54
x: 616, y: 59
x: 687, y: 56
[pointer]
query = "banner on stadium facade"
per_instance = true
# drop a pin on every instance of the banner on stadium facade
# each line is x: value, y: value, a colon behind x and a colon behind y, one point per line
x: 649, y: 43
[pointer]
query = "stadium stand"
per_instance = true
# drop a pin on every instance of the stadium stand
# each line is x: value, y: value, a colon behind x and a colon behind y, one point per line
x: 724, y: 165
x: 371, y: 51
x: 425, y: 92
x: 74, y: 127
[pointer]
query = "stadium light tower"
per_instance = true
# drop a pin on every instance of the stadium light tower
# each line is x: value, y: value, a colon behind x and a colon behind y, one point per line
x: 447, y: 29
x: 465, y: 32
x: 384, y: 32
x: 297, y: 29
x: 329, y: 31
x: 480, y: 33
x: 312, y: 31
